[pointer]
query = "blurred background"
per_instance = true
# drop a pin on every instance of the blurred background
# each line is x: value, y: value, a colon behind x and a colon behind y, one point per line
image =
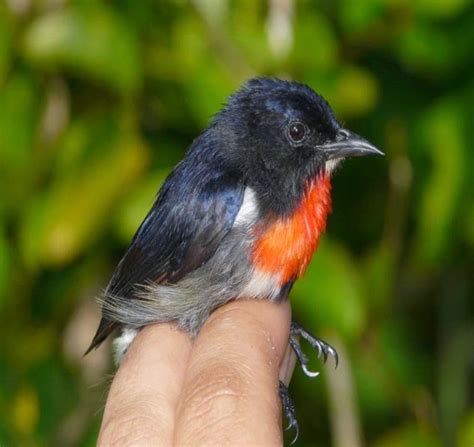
x: 99, y: 99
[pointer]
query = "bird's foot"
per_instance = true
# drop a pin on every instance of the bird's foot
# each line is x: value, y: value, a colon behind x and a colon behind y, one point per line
x: 289, y: 411
x: 323, y: 349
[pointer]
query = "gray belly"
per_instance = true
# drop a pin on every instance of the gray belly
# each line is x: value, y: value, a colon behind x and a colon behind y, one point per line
x: 227, y: 275
x: 224, y: 277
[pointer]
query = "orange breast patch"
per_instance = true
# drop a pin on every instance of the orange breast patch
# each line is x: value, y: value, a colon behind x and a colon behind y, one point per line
x: 286, y: 246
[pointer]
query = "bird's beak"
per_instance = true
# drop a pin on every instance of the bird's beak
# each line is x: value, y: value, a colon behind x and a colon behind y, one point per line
x: 349, y: 144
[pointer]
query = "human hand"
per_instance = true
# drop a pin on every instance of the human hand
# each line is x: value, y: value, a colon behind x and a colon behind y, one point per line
x: 220, y: 390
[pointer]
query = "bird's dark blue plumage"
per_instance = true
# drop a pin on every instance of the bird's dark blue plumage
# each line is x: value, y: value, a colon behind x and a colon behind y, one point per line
x: 193, y: 212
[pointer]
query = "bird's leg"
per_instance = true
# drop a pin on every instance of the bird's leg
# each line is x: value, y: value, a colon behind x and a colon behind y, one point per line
x: 323, y: 349
x: 289, y: 410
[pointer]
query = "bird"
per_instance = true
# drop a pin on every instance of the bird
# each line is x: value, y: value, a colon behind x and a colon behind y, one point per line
x: 239, y: 217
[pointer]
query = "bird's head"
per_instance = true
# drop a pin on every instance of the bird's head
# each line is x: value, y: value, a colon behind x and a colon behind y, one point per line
x: 282, y: 134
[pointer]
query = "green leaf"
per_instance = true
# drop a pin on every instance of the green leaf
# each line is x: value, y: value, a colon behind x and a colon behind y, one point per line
x: 355, y: 92
x: 330, y: 293
x: 5, y: 42
x: 442, y: 135
x: 315, y: 46
x: 63, y: 221
x: 434, y: 51
x: 207, y: 91
x: 5, y: 263
x: 409, y: 436
x: 379, y: 276
x: 440, y: 8
x: 466, y: 431
x: 357, y: 16
x: 137, y: 204
x: 95, y: 43
x: 19, y: 112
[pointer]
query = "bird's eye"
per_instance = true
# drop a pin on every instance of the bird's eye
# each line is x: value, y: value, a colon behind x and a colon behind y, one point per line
x: 296, y: 131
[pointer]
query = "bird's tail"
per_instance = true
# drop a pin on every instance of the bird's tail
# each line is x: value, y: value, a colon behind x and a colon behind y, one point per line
x: 103, y: 331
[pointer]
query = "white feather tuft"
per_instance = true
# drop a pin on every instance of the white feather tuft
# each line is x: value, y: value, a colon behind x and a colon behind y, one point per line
x: 248, y: 212
x: 122, y: 343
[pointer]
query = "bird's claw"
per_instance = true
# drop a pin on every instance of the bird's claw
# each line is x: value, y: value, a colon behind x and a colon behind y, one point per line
x: 300, y: 355
x: 323, y: 349
x: 289, y: 410
x: 308, y: 372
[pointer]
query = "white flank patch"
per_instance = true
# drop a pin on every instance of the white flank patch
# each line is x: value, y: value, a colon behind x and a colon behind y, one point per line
x: 261, y: 285
x: 248, y: 210
x: 122, y: 343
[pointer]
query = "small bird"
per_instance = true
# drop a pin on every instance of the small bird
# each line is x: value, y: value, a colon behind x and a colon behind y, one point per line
x: 239, y: 217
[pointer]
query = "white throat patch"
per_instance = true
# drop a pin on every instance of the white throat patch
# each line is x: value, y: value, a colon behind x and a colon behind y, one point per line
x: 332, y: 164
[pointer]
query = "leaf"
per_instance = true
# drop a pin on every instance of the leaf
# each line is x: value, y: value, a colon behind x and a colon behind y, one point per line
x: 408, y: 436
x: 137, y: 204
x: 315, y: 47
x: 355, y: 93
x: 207, y: 91
x: 5, y: 42
x: 357, y: 16
x: 5, y: 265
x: 95, y: 43
x: 63, y: 221
x: 19, y: 110
x: 379, y: 276
x: 440, y: 8
x: 25, y: 411
x: 330, y: 293
x: 435, y: 52
x: 442, y: 136
x: 466, y: 432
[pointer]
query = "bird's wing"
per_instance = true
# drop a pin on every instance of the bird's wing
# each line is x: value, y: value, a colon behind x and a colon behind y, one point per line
x: 194, y: 211
x: 178, y: 235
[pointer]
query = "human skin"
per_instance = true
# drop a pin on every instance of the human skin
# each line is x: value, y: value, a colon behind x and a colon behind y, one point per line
x: 221, y: 389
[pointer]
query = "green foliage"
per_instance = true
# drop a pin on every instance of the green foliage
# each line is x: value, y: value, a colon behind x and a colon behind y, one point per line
x: 79, y: 40
x: 98, y: 100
